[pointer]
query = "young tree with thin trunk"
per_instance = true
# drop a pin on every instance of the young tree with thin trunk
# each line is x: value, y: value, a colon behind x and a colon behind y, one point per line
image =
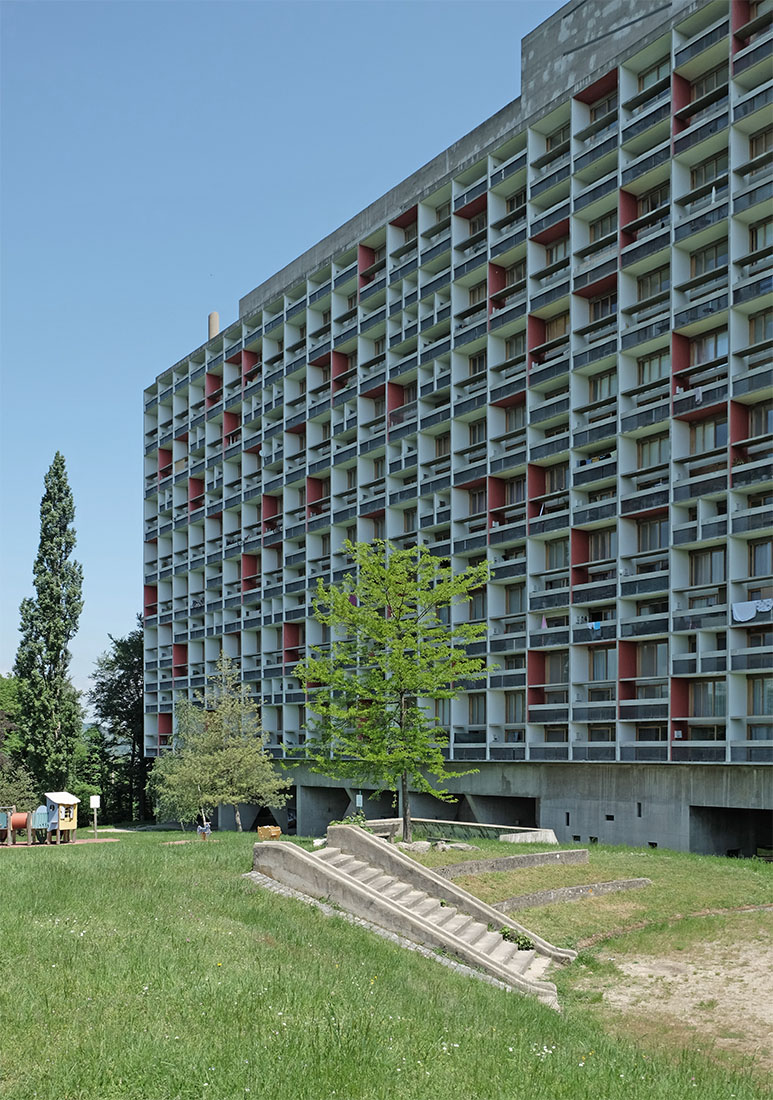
x: 220, y: 756
x: 50, y: 718
x: 392, y: 656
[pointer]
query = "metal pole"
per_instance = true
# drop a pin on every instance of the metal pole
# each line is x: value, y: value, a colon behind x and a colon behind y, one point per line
x: 95, y: 823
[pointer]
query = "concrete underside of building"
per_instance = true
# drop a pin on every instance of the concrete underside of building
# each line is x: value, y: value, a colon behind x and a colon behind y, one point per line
x: 714, y: 810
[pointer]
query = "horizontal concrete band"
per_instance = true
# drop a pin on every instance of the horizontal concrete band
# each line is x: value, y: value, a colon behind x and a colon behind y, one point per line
x: 569, y: 893
x: 512, y: 863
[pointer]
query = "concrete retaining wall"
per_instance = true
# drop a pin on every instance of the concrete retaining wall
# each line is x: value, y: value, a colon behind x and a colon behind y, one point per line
x: 569, y: 893
x: 512, y: 863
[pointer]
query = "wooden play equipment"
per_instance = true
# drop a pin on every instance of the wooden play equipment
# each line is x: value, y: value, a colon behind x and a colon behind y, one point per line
x: 13, y: 821
x: 62, y: 811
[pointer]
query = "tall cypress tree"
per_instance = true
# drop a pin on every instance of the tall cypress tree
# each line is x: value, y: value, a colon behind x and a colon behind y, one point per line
x: 49, y: 712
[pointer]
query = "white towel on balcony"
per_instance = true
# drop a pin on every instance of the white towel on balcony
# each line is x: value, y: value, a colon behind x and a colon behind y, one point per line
x: 764, y: 605
x: 743, y: 612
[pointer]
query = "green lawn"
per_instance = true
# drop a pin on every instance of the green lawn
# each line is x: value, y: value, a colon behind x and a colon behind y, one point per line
x: 147, y: 971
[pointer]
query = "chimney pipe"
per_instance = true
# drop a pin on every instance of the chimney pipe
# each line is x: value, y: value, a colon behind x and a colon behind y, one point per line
x: 213, y: 322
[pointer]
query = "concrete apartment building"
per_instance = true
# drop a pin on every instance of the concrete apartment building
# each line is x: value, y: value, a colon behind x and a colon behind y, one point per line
x: 551, y: 346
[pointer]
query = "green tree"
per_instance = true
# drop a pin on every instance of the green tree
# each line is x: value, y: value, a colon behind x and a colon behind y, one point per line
x: 391, y: 657
x: 219, y: 756
x: 9, y: 716
x: 117, y: 699
x: 17, y: 787
x: 50, y: 717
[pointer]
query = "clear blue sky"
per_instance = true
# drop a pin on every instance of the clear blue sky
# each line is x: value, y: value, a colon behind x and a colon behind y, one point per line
x: 161, y: 159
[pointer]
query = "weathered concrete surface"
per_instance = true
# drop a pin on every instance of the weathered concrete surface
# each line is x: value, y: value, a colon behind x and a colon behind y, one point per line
x: 529, y: 836
x: 569, y: 893
x: 513, y: 863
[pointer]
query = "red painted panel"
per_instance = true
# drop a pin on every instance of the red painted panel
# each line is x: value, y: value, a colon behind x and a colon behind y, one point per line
x: 406, y: 219
x: 511, y: 399
x: 628, y: 211
x: 680, y: 356
x: 681, y: 94
x: 626, y: 668
x: 339, y: 364
x: 553, y: 232
x: 535, y: 335
x: 739, y: 421
x: 496, y: 494
x: 535, y: 674
x: 150, y: 600
x: 497, y: 281
x: 472, y: 208
x: 364, y: 260
x: 535, y: 487
x: 195, y: 493
x: 740, y: 13
x: 164, y: 725
x: 395, y: 396
x: 164, y: 462
x: 601, y: 286
x: 249, y: 572
x: 601, y: 87
x: 249, y: 361
x: 679, y: 692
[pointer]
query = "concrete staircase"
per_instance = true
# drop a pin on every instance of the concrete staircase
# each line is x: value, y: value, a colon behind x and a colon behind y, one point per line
x: 376, y: 881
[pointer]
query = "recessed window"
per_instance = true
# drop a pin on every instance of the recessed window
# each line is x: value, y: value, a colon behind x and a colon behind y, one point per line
x: 655, y: 366
x: 707, y: 259
x: 707, y: 435
x: 653, y: 283
x: 556, y: 553
x: 655, y: 73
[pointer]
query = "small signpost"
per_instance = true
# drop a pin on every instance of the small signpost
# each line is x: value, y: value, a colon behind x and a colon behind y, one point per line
x: 94, y: 804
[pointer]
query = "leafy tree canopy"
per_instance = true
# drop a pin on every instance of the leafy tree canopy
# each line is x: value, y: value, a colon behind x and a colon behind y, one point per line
x: 394, y: 653
x: 219, y: 755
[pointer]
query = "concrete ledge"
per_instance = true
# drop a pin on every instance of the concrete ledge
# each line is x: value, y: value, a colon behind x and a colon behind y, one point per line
x: 569, y: 893
x: 512, y: 863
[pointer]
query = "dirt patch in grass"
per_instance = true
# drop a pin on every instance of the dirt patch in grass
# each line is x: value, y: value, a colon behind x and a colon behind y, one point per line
x: 712, y: 996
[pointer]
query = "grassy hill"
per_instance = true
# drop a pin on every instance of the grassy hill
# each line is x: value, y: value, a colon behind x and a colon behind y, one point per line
x: 150, y: 971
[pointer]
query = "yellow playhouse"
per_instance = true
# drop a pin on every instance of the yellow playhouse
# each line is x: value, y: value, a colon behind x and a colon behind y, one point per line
x: 62, y: 810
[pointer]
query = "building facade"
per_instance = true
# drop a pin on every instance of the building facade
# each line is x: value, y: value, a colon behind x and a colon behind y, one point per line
x: 552, y: 347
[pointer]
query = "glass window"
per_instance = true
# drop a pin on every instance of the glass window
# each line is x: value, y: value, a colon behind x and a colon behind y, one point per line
x: 654, y: 282
x: 477, y: 604
x: 515, y: 417
x: 478, y: 223
x: 515, y: 707
x: 557, y: 327
x: 443, y: 712
x: 652, y: 367
x: 556, y: 477
x: 478, y: 293
x: 761, y: 142
x: 603, y: 226
x: 652, y: 534
x: 709, y: 170
x: 602, y: 544
x: 516, y: 273
x: 515, y: 345
x: 477, y: 709
x: 654, y: 73
x: 477, y: 363
x: 557, y: 137
x: 761, y: 694
x: 515, y: 490
x: 653, y: 450
x: 601, y: 386
x: 709, y: 346
x: 602, y: 663
x: 409, y: 519
x: 514, y: 599
x: 442, y: 211
x: 442, y: 445
x: 556, y: 250
x: 652, y: 659
x: 708, y: 82
x: 761, y: 326
x: 709, y: 258
x: 556, y: 553
x: 761, y: 557
x: 516, y: 201
x: 761, y: 235
x: 654, y: 199
x: 707, y: 566
x: 707, y: 699
x: 707, y: 435
x: 557, y: 667
x: 761, y: 419
x: 478, y: 431
x: 605, y: 306
x: 603, y: 106
x: 477, y: 501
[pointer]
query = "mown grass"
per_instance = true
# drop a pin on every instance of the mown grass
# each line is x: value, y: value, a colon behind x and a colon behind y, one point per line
x: 682, y: 884
x: 143, y: 971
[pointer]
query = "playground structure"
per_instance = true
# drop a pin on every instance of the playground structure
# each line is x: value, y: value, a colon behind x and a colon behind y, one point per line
x: 59, y: 817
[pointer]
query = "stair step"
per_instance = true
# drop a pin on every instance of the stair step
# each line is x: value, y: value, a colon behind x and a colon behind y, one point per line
x: 486, y: 942
x: 473, y: 932
x: 521, y: 961
x: 503, y: 953
x: 537, y: 968
x: 458, y: 923
x: 396, y: 890
x: 328, y: 854
x: 380, y: 882
x: 368, y: 874
x: 428, y: 908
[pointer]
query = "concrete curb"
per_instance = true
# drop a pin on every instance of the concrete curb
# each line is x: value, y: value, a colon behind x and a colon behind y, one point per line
x: 569, y: 893
x: 512, y: 863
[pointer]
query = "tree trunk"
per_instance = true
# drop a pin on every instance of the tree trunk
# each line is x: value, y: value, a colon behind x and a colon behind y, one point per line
x: 238, y: 818
x: 407, y: 835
